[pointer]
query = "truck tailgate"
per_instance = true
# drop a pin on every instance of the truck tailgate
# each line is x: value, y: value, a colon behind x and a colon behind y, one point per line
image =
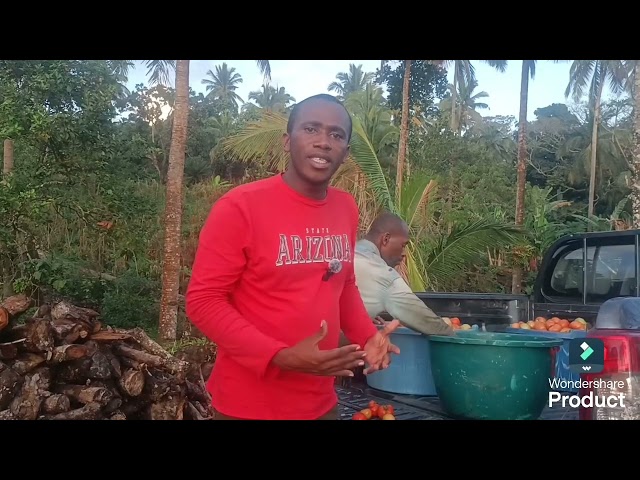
x: 352, y: 399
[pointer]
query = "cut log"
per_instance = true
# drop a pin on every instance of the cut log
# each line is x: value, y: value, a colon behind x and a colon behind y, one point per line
x: 132, y: 382
x: 107, y: 336
x: 65, y: 332
x: 170, y: 407
x: 98, y: 395
x: 100, y: 368
x: 65, y: 311
x: 90, y: 411
x: 27, y: 362
x: 16, y: 304
x: 156, y: 349
x: 56, y: 403
x: 65, y: 353
x: 64, y: 364
x: 40, y: 338
x: 114, y: 362
x: 4, y: 318
x: 10, y: 384
x: 139, y: 356
x: 118, y: 415
x: 7, y: 415
x: 26, y: 405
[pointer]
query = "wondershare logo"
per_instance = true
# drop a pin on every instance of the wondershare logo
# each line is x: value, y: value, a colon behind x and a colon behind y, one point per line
x: 586, y: 355
x: 587, y: 351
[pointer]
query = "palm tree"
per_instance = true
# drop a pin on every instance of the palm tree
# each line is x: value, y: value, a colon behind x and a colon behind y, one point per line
x: 595, y: 73
x: 465, y: 74
x: 355, y: 80
x: 468, y: 103
x: 172, y: 254
x: 223, y: 85
x: 271, y: 98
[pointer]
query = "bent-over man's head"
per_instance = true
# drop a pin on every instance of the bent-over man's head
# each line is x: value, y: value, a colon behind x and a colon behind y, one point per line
x: 390, y: 234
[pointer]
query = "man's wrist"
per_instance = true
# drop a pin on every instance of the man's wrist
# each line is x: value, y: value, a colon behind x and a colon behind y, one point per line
x: 281, y: 359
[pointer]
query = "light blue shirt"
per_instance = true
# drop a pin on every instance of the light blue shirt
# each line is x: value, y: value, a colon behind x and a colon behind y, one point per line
x: 384, y: 290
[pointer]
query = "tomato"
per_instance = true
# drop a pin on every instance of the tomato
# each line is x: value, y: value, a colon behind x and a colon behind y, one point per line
x: 358, y: 416
x: 373, y: 403
x: 388, y: 416
x: 381, y: 411
x: 390, y: 409
x: 367, y: 413
x: 374, y: 410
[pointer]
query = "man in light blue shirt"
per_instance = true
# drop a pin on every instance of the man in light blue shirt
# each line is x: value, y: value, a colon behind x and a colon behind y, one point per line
x: 382, y: 288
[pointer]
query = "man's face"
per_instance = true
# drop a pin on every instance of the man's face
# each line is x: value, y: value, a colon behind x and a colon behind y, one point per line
x: 318, y: 143
x: 394, y: 244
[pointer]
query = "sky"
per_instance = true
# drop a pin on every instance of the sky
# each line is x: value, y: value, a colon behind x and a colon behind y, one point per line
x: 303, y: 78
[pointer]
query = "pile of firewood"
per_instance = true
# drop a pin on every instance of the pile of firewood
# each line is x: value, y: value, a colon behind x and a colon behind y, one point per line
x: 63, y: 364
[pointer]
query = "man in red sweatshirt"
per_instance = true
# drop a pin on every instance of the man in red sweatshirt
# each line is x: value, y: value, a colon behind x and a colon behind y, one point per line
x: 273, y: 281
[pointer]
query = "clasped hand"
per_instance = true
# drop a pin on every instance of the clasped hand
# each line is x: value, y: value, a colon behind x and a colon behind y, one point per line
x: 307, y: 357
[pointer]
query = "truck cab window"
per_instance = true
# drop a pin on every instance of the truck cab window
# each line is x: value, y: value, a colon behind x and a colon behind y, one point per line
x: 611, y: 272
x: 566, y: 278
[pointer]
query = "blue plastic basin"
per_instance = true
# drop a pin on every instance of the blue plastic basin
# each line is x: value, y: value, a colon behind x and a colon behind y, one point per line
x: 409, y: 372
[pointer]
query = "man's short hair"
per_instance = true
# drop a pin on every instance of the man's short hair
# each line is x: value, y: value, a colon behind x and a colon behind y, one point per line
x: 386, y: 222
x: 322, y: 96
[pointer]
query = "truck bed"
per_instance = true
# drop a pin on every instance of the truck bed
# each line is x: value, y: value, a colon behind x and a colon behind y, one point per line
x: 352, y: 399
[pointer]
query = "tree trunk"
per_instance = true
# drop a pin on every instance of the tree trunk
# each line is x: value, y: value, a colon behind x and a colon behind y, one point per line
x: 516, y: 281
x: 454, y: 95
x: 635, y: 186
x: 173, y: 209
x: 5, y: 262
x: 8, y: 156
x: 594, y: 147
x: 404, y: 129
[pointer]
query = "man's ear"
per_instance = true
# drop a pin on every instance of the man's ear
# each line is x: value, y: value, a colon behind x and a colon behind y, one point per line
x: 285, y: 142
x: 385, y: 238
x: 346, y: 155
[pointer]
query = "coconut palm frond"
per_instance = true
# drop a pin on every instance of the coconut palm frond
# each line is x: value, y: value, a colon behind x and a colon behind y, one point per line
x: 453, y: 252
x: 260, y: 141
x: 416, y: 194
x: 411, y: 270
x: 364, y: 154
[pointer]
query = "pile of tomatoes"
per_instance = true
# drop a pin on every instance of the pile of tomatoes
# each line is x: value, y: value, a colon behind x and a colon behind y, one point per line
x: 375, y: 411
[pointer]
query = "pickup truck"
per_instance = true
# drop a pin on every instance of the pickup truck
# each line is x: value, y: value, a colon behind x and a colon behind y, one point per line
x: 578, y: 274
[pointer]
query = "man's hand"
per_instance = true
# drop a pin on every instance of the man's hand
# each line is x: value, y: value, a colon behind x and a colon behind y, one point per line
x: 378, y: 321
x: 379, y: 348
x: 306, y: 357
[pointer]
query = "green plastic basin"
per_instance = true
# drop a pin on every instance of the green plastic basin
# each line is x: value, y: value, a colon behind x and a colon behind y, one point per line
x: 493, y: 376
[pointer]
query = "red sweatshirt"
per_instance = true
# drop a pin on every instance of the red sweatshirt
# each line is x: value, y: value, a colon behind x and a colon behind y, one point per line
x: 256, y: 287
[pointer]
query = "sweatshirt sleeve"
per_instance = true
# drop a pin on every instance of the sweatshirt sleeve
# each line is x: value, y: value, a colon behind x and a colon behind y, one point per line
x: 219, y: 263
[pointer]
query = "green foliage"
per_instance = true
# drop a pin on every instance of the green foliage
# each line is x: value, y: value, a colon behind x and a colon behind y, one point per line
x: 428, y: 83
x: 82, y: 210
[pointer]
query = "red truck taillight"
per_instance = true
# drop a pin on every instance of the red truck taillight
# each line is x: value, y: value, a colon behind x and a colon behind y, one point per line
x: 615, y: 390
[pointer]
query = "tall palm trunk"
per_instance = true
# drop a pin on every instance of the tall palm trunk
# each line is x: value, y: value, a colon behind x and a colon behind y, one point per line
x: 594, y: 145
x: 454, y: 96
x: 173, y: 208
x: 404, y: 129
x: 635, y: 187
x: 516, y: 280
x: 5, y: 262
